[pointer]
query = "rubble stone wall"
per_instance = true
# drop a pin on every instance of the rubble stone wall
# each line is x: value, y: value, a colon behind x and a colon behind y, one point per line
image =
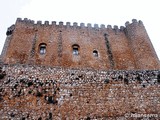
x: 44, y: 93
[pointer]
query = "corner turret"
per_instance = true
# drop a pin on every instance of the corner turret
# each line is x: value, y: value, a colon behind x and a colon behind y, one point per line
x: 141, y: 46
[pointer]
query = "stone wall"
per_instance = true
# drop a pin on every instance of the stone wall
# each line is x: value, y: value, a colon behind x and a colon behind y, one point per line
x: 45, y: 93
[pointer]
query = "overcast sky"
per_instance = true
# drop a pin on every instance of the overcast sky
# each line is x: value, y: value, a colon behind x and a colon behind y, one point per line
x: 113, y: 12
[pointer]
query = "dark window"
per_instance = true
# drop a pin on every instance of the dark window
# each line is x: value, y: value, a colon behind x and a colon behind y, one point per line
x: 95, y: 53
x: 75, y: 49
x: 42, y: 48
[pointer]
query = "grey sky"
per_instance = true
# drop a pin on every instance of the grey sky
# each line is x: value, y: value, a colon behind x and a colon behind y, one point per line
x: 114, y: 12
x: 9, y: 11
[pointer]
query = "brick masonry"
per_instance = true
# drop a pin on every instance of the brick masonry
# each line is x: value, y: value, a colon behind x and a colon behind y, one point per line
x: 122, y: 82
x: 41, y: 93
x: 124, y: 48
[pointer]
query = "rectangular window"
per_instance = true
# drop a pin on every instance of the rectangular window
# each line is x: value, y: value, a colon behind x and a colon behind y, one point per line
x: 75, y: 51
x: 42, y: 49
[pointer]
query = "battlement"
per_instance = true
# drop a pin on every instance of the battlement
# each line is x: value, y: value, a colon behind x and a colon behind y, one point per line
x: 68, y: 24
x: 76, y: 25
x: 134, y: 21
x: 81, y: 25
x: 10, y: 30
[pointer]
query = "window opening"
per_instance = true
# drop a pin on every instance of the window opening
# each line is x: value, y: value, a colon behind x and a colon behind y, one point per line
x: 75, y: 49
x: 42, y: 49
x: 95, y: 53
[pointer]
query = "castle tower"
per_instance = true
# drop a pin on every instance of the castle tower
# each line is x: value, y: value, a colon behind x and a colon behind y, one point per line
x: 7, y: 42
x: 122, y: 82
x: 141, y: 46
x: 79, y: 46
x: 18, y: 42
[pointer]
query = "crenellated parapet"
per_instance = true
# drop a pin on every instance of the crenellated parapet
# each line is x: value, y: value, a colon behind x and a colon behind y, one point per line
x: 134, y: 22
x: 81, y: 25
x: 69, y: 24
x: 10, y: 30
x: 25, y: 20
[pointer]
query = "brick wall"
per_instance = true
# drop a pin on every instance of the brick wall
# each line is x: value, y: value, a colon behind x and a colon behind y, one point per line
x: 124, y: 48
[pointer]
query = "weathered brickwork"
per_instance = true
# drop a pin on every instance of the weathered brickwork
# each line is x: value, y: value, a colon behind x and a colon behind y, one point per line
x: 71, y: 72
x: 44, y: 93
x: 124, y: 48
